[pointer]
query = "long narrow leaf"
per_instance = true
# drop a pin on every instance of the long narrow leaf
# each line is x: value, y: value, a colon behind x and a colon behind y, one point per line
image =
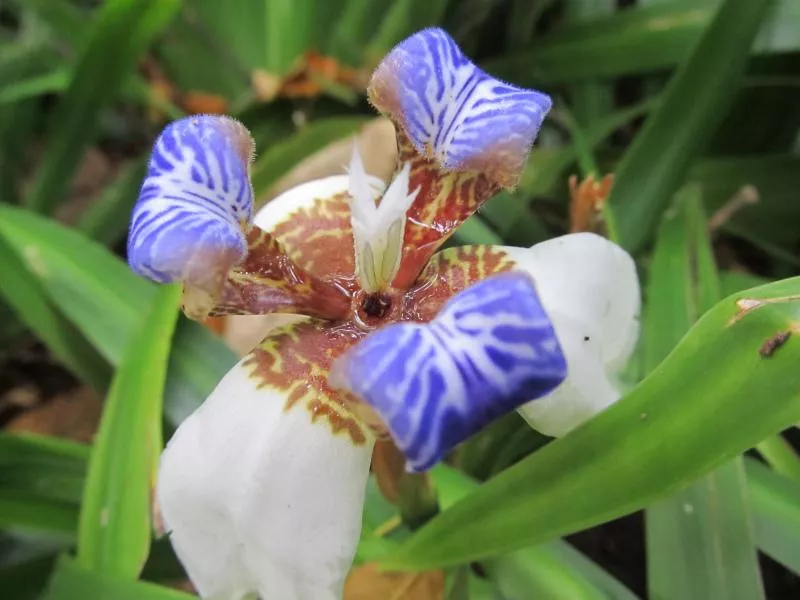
x: 72, y: 582
x: 30, y: 302
x: 700, y: 542
x: 776, y: 504
x: 121, y: 32
x: 554, y: 570
x: 693, y: 105
x: 104, y: 300
x: 114, y: 531
x: 638, y: 40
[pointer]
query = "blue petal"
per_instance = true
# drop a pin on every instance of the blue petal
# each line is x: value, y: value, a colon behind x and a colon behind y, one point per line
x: 491, y: 349
x: 187, y: 223
x: 452, y: 110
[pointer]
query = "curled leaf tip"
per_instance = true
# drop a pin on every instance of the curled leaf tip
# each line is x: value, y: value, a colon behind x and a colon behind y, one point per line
x: 455, y: 113
x: 188, y: 222
x: 491, y: 349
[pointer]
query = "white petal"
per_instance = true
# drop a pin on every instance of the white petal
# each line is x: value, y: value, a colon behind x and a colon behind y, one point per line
x: 302, y: 196
x: 587, y: 390
x: 591, y: 280
x: 258, y: 499
x: 590, y: 290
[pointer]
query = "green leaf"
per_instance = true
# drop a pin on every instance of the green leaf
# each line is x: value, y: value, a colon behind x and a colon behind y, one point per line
x: 475, y: 231
x: 693, y: 105
x: 114, y: 529
x: 592, y: 98
x: 43, y: 466
x: 104, y: 299
x: 639, y: 39
x: 357, y: 21
x: 30, y: 302
x: 41, y: 486
x: 513, y: 220
x: 121, y: 33
x: 770, y: 222
x: 736, y: 281
x: 546, y: 167
x: 64, y: 19
x: 402, y: 19
x: 781, y: 456
x: 72, y: 582
x: 270, y: 36
x: 776, y: 508
x: 554, y: 570
x: 283, y: 155
x: 699, y: 541
x: 25, y: 579
x: 34, y: 514
x: 37, y: 85
x: 107, y: 219
x: 626, y: 457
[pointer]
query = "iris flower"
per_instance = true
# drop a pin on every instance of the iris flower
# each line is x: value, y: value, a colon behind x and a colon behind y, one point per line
x: 261, y: 489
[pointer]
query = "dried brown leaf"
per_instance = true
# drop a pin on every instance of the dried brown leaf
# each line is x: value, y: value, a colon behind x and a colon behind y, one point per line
x: 368, y: 583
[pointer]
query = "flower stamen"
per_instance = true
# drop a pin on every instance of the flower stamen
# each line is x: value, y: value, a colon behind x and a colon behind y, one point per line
x: 378, y: 227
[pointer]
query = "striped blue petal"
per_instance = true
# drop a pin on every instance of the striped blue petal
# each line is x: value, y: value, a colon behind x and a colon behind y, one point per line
x: 490, y: 349
x: 187, y: 224
x: 453, y: 111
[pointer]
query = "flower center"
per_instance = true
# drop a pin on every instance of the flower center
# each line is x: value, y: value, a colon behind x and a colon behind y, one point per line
x: 376, y: 305
x: 371, y: 310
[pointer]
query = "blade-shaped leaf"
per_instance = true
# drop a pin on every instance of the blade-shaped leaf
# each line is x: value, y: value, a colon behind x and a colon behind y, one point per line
x: 71, y: 582
x: 114, y: 530
x: 104, y: 299
x: 694, y: 103
x: 781, y: 456
x: 626, y: 457
x: 283, y: 155
x: 42, y: 482
x: 122, y: 31
x: 554, y: 570
x: 700, y: 542
x: 637, y: 40
x: 30, y: 301
x: 776, y: 508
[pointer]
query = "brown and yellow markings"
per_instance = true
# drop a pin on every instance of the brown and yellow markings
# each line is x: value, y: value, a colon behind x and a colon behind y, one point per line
x: 450, y: 272
x: 319, y: 238
x: 445, y: 200
x: 296, y: 360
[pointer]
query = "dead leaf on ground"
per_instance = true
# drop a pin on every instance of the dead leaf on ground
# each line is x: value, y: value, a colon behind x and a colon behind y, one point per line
x: 73, y: 415
x: 305, y: 79
x: 366, y: 582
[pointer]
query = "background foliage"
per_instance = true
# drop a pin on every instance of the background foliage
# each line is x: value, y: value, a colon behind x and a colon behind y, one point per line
x: 694, y: 105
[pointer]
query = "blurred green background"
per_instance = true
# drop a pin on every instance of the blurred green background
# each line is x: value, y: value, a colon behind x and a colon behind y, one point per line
x: 693, y: 105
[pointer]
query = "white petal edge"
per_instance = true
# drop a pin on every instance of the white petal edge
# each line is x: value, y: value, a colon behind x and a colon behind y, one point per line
x: 590, y: 289
x: 257, y: 499
x: 588, y: 389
